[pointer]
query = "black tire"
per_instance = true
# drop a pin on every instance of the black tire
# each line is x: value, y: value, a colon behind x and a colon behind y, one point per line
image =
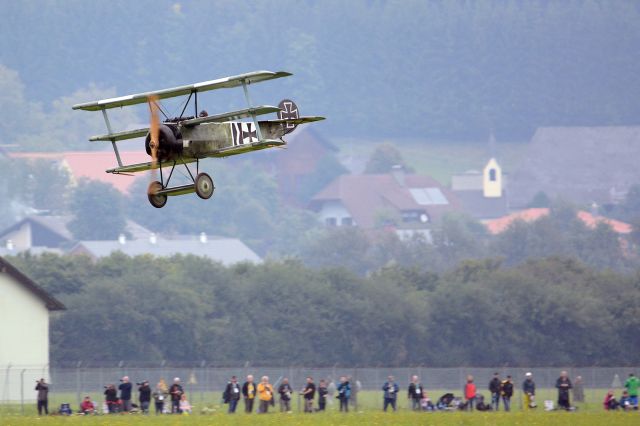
x: 204, y: 186
x: 157, y: 200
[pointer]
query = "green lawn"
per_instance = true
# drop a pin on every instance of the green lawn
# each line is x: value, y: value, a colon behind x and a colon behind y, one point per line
x: 332, y: 418
x: 440, y: 160
x: 369, y: 412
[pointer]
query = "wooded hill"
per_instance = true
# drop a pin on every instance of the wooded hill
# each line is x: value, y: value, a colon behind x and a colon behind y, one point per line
x: 401, y: 69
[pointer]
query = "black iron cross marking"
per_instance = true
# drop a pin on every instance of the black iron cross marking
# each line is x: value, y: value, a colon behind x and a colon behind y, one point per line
x: 288, y: 111
x: 250, y: 134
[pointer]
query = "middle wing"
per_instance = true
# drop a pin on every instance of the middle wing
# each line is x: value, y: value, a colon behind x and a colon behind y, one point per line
x: 226, y: 116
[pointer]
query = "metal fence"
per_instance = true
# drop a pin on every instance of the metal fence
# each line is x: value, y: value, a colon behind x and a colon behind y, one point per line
x: 17, y: 382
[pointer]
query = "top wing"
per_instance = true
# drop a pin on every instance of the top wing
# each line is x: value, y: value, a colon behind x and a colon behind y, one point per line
x: 221, y: 83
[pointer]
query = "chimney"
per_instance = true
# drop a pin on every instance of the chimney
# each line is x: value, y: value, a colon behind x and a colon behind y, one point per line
x: 397, y: 172
x: 203, y: 238
x: 153, y: 238
x: 122, y: 239
x: 595, y: 208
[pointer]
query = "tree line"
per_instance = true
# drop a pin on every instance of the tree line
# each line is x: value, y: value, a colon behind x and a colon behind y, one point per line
x: 547, y: 311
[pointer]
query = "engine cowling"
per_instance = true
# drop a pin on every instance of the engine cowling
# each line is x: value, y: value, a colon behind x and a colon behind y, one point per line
x: 170, y: 145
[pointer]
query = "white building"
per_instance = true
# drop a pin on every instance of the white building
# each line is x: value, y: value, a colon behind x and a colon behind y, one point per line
x: 24, y: 333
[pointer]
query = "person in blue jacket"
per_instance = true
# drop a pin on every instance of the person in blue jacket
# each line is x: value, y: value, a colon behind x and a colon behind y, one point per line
x: 390, y: 389
x: 344, y: 393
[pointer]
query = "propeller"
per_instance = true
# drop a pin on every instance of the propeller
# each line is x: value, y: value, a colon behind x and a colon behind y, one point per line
x: 154, y: 132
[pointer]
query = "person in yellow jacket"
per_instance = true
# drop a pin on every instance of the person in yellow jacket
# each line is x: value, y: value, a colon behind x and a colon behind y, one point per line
x: 265, y: 394
x: 249, y: 394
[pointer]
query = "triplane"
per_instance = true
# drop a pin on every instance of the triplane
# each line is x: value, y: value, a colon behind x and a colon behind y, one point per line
x: 187, y: 139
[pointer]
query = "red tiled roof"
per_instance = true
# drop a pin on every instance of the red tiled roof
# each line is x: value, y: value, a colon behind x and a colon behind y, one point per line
x: 92, y: 165
x: 499, y: 225
x: 593, y: 221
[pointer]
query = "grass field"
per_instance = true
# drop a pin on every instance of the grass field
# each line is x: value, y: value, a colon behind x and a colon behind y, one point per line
x: 369, y: 412
x: 440, y: 160
x: 370, y: 418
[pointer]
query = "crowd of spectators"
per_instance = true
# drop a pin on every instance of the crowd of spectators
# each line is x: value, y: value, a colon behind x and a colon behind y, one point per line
x: 173, y: 400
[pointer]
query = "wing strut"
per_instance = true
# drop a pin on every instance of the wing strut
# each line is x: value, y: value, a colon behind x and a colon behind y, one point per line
x: 253, y: 115
x: 113, y: 141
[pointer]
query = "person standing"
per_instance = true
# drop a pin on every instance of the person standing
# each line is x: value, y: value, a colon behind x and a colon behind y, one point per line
x: 144, y: 396
x: 506, y: 390
x: 231, y: 394
x: 390, y: 389
x: 249, y: 394
x: 322, y: 395
x: 285, y: 391
x: 111, y: 398
x: 470, y: 392
x: 529, y: 390
x: 125, y: 394
x: 494, y: 388
x: 414, y: 393
x: 578, y: 390
x: 265, y: 394
x: 344, y: 393
x: 563, y: 384
x: 43, y: 396
x: 308, y: 393
x: 160, y: 396
x: 176, y: 392
x: 631, y: 385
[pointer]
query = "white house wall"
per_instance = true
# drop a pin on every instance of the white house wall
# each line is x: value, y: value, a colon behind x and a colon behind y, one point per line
x: 21, y: 238
x: 24, y: 340
x: 333, y: 209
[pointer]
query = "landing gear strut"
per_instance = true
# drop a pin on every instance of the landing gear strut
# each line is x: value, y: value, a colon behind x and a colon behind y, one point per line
x: 158, y: 191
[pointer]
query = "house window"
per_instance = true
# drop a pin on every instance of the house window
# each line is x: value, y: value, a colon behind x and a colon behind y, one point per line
x: 347, y: 221
x: 409, y: 216
x: 492, y: 175
x: 331, y: 221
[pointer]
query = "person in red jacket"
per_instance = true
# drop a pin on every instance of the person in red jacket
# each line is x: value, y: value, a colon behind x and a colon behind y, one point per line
x: 470, y: 392
x: 610, y: 402
x: 86, y: 406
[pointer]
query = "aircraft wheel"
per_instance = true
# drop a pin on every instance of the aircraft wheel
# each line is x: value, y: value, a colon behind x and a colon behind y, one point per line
x: 204, y: 186
x: 157, y: 200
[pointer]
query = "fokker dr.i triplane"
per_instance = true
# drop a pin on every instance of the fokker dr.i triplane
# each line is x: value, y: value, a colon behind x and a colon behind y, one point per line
x: 176, y: 142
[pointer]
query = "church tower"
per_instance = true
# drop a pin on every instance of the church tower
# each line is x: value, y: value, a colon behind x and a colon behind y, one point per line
x: 492, y: 179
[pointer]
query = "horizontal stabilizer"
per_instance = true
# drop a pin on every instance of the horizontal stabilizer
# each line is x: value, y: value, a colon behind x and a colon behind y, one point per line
x: 129, y: 134
x: 221, y: 83
x: 232, y: 115
x: 295, y: 121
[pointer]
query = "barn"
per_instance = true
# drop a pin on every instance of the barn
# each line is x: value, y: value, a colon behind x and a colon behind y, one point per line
x: 24, y: 333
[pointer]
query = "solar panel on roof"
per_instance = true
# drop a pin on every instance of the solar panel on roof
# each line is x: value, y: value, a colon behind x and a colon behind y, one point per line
x: 428, y: 196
